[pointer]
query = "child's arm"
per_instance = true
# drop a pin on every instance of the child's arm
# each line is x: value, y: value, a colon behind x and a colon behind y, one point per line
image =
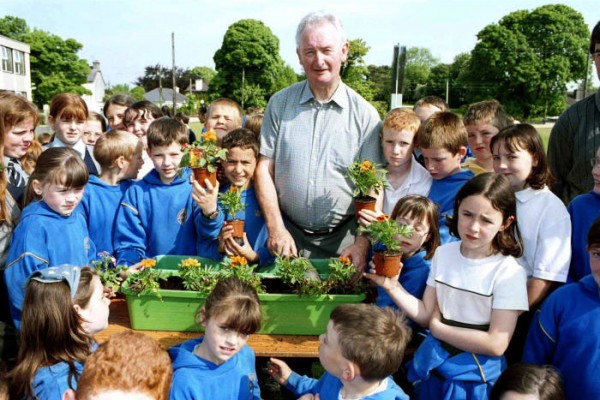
x: 542, y: 338
x: 130, y: 235
x: 492, y: 342
x: 418, y: 310
x: 537, y: 289
x: 300, y: 385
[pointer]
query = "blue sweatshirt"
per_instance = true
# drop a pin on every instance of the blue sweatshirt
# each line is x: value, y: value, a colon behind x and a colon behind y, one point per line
x: 156, y: 219
x: 583, y: 209
x: 197, y: 378
x: 329, y: 386
x: 49, y: 383
x: 99, y: 206
x: 443, y: 192
x: 254, y: 226
x: 564, y: 333
x: 44, y: 239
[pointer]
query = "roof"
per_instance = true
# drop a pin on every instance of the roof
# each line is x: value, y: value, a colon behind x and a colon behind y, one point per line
x: 94, y: 70
x: 167, y: 96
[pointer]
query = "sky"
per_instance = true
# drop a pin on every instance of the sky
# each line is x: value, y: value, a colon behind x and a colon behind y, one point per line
x: 127, y: 35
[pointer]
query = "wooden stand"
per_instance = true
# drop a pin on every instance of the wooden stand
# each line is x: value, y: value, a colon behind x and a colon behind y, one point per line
x: 280, y: 346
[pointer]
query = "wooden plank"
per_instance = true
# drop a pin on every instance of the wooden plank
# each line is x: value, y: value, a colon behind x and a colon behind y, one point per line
x: 263, y: 345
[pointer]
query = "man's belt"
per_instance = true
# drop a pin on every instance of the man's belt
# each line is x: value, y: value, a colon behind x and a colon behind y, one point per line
x: 323, y: 231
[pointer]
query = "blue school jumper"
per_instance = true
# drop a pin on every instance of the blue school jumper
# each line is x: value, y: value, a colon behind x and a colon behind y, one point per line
x: 49, y: 383
x: 565, y: 332
x: 413, y: 278
x: 443, y: 192
x: 329, y: 386
x: 583, y: 209
x: 436, y: 374
x: 155, y: 219
x: 99, y: 206
x: 197, y: 378
x: 254, y: 226
x: 44, y: 239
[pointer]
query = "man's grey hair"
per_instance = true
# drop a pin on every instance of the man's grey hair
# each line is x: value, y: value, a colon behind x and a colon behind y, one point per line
x: 316, y: 18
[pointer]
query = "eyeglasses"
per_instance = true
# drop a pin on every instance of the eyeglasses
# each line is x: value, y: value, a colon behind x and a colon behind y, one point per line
x: 594, y: 162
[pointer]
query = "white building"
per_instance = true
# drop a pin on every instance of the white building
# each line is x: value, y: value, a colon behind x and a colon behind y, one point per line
x: 96, y: 85
x: 15, y: 73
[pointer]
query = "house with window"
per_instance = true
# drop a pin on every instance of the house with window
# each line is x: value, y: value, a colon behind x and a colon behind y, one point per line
x: 95, y: 84
x: 15, y: 73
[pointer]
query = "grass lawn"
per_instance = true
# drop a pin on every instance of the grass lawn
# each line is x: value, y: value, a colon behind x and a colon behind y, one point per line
x: 545, y: 134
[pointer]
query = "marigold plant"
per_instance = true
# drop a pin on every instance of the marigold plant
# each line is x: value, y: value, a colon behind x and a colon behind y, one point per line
x: 148, y: 263
x: 231, y: 201
x: 383, y: 231
x: 367, y: 176
x: 204, y: 153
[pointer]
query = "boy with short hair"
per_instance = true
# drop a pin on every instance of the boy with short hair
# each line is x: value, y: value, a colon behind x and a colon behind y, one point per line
x: 429, y: 105
x: 120, y: 155
x: 157, y: 214
x: 404, y: 174
x: 565, y: 330
x: 242, y: 155
x: 483, y: 120
x: 363, y: 346
x: 137, y: 120
x: 443, y: 140
x: 223, y: 116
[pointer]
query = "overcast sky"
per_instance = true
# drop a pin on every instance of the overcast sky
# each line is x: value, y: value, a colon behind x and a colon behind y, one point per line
x: 127, y: 35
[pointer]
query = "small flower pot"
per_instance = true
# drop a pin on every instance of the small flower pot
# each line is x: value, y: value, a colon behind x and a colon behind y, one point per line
x: 387, y: 264
x: 364, y: 203
x: 238, y: 228
x: 200, y: 174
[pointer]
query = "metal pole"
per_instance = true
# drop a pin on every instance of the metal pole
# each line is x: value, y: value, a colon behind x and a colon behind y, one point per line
x: 447, y: 89
x: 173, y: 74
x: 585, y: 80
x: 243, y: 84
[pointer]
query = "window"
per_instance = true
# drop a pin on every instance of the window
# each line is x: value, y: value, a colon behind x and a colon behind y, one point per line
x: 19, y: 62
x: 7, y: 59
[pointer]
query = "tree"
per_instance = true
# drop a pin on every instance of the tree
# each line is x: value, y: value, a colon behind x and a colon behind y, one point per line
x: 249, y: 62
x: 354, y: 71
x: 55, y: 65
x: 419, y: 62
x: 205, y: 73
x: 450, y: 75
x: 526, y: 60
x: 137, y: 92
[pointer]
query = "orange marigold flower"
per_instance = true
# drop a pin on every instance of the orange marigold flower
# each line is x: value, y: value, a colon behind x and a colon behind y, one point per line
x: 233, y: 188
x: 148, y: 263
x: 197, y: 153
x: 383, y: 218
x: 366, y: 166
x: 209, y: 136
x: 190, y: 262
x: 345, y: 260
x: 238, y: 260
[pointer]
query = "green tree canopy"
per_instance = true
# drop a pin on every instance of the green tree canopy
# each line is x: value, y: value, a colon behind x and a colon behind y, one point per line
x: 248, y: 62
x: 157, y: 75
x: 419, y: 62
x: 137, y: 92
x: 526, y: 60
x: 55, y: 65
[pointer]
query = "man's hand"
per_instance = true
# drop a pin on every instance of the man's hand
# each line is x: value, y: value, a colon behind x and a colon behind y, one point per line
x: 279, y: 370
x: 282, y: 243
x: 358, y: 253
x: 206, y: 199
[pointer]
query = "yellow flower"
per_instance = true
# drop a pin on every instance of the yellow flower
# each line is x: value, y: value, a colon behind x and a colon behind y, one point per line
x: 209, y: 136
x: 238, y: 260
x: 190, y: 263
x: 366, y: 166
x: 148, y: 263
x: 345, y: 260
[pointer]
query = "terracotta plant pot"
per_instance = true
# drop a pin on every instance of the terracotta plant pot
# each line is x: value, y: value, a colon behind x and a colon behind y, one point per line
x: 387, y: 264
x: 364, y: 203
x: 200, y: 174
x: 238, y: 227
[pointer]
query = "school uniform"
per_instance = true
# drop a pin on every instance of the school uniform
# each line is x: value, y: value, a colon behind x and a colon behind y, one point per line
x: 99, y: 206
x: 472, y: 166
x: 418, y: 181
x: 197, y: 378
x: 51, y: 382
x: 44, y: 238
x: 467, y: 291
x: 413, y: 278
x: 254, y: 226
x: 565, y: 333
x: 584, y: 210
x: 85, y: 152
x: 443, y: 192
x: 155, y: 219
x: 329, y: 387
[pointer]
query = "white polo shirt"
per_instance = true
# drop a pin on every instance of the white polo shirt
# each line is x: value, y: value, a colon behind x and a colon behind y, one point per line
x: 418, y: 181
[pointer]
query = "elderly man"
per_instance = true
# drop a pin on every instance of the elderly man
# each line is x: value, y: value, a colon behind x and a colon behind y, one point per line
x: 312, y: 131
x: 575, y: 139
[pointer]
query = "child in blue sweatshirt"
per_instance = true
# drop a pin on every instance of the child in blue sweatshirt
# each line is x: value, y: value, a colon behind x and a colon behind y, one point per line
x: 363, y: 346
x: 564, y: 332
x: 443, y: 141
x: 119, y: 154
x: 242, y: 156
x: 157, y: 215
x: 50, y: 231
x: 220, y: 365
